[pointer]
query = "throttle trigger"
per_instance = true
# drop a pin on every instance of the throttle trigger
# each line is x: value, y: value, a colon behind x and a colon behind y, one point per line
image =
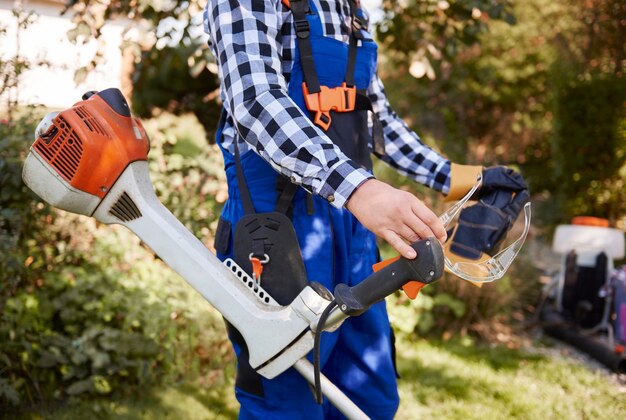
x: 412, y: 288
x: 380, y: 265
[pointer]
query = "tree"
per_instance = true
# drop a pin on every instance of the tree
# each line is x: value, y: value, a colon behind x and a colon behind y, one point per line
x: 506, y: 92
x: 171, y: 68
x: 11, y: 69
x: 429, y: 35
x: 589, y: 143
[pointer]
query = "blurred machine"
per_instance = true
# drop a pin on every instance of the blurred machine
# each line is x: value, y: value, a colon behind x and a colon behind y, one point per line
x: 584, y: 310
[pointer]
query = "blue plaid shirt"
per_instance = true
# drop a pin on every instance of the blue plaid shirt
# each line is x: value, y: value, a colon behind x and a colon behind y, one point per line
x: 254, y: 43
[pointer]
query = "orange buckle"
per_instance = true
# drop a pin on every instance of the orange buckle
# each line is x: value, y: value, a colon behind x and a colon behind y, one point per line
x: 339, y: 99
x: 257, y: 266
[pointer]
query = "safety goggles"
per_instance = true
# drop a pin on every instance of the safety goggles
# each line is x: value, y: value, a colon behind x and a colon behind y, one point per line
x: 488, y: 268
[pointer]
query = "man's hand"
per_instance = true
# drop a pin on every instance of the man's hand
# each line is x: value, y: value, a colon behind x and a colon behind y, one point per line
x: 396, y: 216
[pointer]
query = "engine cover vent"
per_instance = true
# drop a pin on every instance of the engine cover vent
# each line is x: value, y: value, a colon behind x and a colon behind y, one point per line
x: 91, y: 122
x: 125, y: 208
x: 63, y: 151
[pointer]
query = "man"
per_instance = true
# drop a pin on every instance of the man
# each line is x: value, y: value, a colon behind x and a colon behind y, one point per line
x: 276, y: 61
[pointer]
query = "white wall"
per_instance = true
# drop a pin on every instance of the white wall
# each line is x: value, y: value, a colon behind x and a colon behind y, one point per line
x: 46, y: 40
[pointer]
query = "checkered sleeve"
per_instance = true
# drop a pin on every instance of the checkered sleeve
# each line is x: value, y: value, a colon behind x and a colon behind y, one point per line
x: 245, y: 40
x: 403, y: 148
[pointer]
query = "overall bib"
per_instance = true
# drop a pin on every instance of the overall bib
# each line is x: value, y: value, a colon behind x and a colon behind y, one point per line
x: 335, y: 248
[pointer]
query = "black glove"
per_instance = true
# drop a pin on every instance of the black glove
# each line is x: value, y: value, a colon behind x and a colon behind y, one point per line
x: 483, y: 226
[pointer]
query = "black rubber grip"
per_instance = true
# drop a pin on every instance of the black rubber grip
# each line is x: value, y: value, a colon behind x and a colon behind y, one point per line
x: 426, y: 268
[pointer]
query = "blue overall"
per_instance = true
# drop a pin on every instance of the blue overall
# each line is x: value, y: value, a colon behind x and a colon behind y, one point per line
x: 336, y: 248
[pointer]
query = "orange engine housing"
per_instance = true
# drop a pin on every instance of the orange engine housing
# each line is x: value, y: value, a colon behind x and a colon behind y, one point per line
x: 90, y: 144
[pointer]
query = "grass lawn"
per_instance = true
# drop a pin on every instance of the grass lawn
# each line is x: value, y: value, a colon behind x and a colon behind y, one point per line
x: 453, y: 381
x: 439, y: 380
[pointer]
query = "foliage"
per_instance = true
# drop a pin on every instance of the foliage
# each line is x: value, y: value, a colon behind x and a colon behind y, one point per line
x: 61, y: 327
x: 187, y: 173
x: 490, y: 105
x: 589, y: 93
x: 15, y: 200
x: 80, y: 332
x: 77, y: 317
x: 84, y: 309
x: 173, y: 66
x: 12, y: 69
x: 590, y: 142
x: 428, y: 35
x: 164, y: 80
x: 499, y: 103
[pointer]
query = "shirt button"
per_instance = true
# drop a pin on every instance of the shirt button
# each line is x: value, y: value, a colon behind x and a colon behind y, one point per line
x: 331, y: 198
x: 292, y: 179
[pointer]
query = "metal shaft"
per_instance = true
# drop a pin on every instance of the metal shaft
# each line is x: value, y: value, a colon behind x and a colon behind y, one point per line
x: 334, y: 394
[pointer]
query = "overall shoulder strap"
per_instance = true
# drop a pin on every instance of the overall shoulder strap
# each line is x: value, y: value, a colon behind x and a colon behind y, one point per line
x: 299, y: 9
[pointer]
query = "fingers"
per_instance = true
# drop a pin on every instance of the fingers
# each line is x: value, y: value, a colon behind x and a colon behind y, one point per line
x: 417, y: 228
x: 427, y: 224
x: 396, y: 216
x: 408, y: 234
x: 399, y: 245
x: 419, y: 222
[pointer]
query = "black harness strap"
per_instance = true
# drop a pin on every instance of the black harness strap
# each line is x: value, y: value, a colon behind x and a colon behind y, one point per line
x: 355, y: 36
x: 300, y: 8
x: 246, y: 200
x: 362, y: 101
x: 287, y: 191
x: 310, y: 207
x: 352, y: 48
x: 244, y: 192
x: 378, y: 140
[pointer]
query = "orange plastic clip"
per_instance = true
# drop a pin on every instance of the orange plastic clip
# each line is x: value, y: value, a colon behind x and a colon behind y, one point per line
x: 412, y: 288
x: 257, y: 268
x: 339, y: 99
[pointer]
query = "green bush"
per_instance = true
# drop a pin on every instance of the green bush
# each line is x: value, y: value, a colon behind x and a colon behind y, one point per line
x: 66, y: 327
x: 453, y: 307
x: 187, y: 173
x: 590, y: 147
x: 85, y: 310
x: 80, y: 332
x: 16, y: 201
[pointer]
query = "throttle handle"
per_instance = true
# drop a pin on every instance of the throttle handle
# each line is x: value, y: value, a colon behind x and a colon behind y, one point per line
x: 426, y: 268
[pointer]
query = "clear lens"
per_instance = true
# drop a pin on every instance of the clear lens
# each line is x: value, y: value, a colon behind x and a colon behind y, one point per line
x: 448, y: 216
x: 490, y: 268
